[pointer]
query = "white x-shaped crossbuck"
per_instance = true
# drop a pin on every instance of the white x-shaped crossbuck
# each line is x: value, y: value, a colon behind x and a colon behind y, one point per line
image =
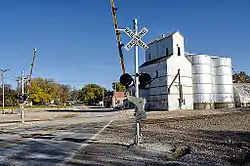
x: 136, y: 38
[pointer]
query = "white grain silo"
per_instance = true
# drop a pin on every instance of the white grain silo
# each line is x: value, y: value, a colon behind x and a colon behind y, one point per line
x: 202, y: 81
x: 223, y: 83
x: 164, y: 60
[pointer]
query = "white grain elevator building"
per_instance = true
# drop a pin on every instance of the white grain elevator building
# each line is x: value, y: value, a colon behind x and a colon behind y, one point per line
x: 172, y: 87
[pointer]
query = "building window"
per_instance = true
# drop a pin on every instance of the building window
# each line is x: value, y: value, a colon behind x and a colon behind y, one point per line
x: 179, y: 51
x: 149, y: 56
x: 166, y: 51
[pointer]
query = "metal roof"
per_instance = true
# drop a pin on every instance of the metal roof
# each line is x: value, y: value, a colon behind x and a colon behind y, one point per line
x: 157, y: 40
x: 158, y: 60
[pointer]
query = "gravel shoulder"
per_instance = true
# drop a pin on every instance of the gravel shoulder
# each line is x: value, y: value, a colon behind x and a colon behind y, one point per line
x: 173, y: 138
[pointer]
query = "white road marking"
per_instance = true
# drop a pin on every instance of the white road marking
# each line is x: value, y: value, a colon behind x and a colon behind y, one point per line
x: 94, y: 136
x: 84, y: 145
x: 43, y: 156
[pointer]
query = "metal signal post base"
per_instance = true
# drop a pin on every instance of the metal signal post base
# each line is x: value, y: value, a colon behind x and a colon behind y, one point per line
x: 137, y: 132
x: 22, y: 115
x: 22, y: 112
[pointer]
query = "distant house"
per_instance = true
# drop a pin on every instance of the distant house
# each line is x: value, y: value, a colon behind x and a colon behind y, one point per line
x: 114, y: 99
x: 117, y: 99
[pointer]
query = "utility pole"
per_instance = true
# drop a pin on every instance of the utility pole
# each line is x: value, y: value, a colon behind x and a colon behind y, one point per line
x: 136, y: 52
x: 22, y: 82
x: 3, y: 71
x: 115, y: 94
x: 103, y: 97
x: 22, y: 92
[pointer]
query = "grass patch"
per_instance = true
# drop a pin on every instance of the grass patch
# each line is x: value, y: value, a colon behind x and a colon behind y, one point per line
x: 44, y: 106
x: 10, y: 107
x: 38, y: 106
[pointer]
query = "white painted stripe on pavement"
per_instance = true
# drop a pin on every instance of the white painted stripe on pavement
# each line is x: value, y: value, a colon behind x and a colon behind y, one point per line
x: 84, y: 145
x: 94, y: 136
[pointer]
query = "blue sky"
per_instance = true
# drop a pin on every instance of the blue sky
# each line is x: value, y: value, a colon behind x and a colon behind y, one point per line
x: 76, y: 44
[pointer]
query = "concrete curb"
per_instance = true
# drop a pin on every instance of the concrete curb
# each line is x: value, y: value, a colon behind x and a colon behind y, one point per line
x: 29, y: 120
x: 40, y: 120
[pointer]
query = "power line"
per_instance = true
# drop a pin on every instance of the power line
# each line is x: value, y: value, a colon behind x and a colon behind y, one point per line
x: 76, y: 81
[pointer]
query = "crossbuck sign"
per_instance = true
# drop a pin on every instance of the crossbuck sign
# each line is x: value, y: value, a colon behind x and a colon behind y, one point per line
x: 136, y: 38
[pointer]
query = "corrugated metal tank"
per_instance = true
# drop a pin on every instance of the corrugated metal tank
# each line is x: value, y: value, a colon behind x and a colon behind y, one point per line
x: 242, y: 94
x: 202, y: 81
x: 223, y: 83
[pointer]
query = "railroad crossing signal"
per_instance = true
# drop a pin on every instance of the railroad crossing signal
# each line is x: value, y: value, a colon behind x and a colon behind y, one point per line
x: 136, y: 38
x: 127, y: 80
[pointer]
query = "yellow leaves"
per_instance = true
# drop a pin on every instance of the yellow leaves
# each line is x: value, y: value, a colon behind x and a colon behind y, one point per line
x: 45, y: 90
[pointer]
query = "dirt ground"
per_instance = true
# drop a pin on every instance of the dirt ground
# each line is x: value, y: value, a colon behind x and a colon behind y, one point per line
x: 192, y: 138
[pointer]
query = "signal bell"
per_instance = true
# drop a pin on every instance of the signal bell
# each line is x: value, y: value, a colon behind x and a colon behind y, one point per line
x: 126, y: 80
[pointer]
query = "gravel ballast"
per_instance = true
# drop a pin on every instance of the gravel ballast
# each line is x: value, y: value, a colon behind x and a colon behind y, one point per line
x: 217, y: 139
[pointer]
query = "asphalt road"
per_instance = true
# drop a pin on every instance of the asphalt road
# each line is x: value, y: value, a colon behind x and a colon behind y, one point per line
x: 54, y: 142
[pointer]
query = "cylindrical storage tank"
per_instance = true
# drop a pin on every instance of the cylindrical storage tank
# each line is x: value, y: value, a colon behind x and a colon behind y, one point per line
x: 202, y: 82
x: 223, y: 83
